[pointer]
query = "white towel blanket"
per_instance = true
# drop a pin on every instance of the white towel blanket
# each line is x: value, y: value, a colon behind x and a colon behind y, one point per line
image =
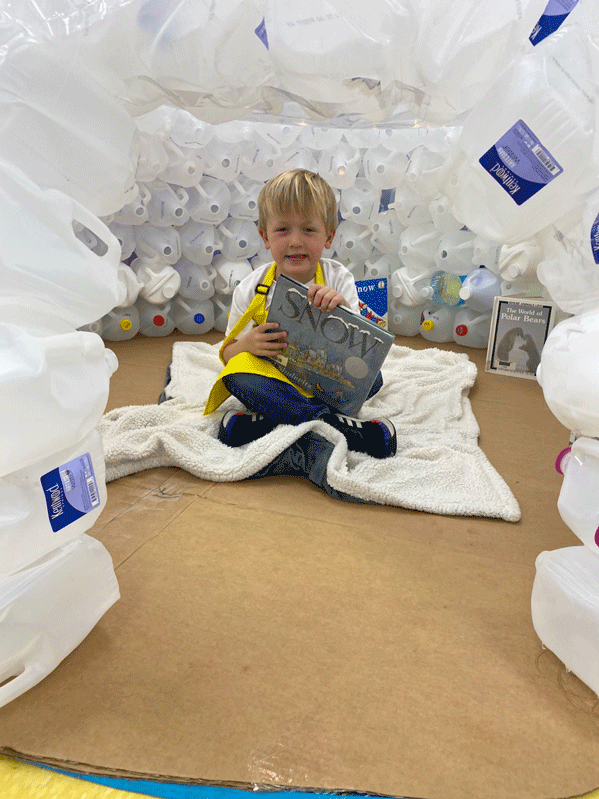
x: 438, y: 468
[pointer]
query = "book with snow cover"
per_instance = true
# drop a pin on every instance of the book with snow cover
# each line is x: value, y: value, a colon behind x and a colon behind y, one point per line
x: 336, y: 355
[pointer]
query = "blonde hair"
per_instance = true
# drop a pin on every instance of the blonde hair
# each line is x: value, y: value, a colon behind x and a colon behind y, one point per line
x: 297, y: 191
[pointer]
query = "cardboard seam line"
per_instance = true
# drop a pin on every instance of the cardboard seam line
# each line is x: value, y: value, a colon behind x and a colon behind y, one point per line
x: 396, y: 508
x: 153, y: 537
x: 183, y: 489
x: 282, y: 512
x: 150, y: 492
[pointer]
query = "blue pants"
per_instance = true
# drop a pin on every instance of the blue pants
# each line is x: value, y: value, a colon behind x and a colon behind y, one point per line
x: 309, y: 455
x: 278, y: 400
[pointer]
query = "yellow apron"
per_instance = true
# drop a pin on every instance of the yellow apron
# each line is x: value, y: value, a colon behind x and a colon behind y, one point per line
x: 245, y: 362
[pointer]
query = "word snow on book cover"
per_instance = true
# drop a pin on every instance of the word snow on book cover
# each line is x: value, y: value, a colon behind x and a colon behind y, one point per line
x: 336, y: 355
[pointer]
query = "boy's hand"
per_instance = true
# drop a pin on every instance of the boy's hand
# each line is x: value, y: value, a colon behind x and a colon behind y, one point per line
x: 265, y: 340
x: 325, y: 297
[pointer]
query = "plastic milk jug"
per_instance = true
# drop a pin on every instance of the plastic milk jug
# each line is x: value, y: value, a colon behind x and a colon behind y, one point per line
x: 121, y: 324
x: 19, y: 313
x: 277, y: 135
x: 352, y: 242
x: 155, y: 320
x: 259, y: 161
x: 526, y: 148
x: 125, y: 237
x: 571, y: 257
x: 564, y: 610
x: 442, y: 216
x: 443, y: 289
x: 41, y: 258
x: 133, y: 285
x: 229, y: 274
x: 185, y: 166
x: 157, y: 243
x: 437, y: 323
x: 406, y: 285
x: 93, y: 327
x: 471, y: 328
x: 359, y: 203
x: 404, y: 320
x: 386, y: 232
x: 48, y: 608
x: 236, y: 131
x: 424, y: 170
x: 454, y: 252
x: 63, y: 129
x: 381, y: 267
x: 222, y: 306
x: 160, y: 281
x: 135, y: 212
x: 209, y: 201
x: 569, y: 373
x: 339, y: 165
x: 320, y: 138
x: 192, y: 317
x: 54, y: 389
x: 410, y: 208
x: 199, y: 242
x: 222, y: 160
x: 384, y: 169
x: 461, y: 50
x: 50, y: 502
x: 486, y: 253
x: 555, y: 13
x: 167, y: 204
x: 153, y: 157
x: 197, y: 282
x: 185, y: 129
x: 298, y: 157
x: 519, y: 261
x: 578, y: 501
x: 480, y: 288
x: 419, y: 245
x: 240, y: 238
x: 529, y: 287
x: 244, y: 198
x: 88, y: 238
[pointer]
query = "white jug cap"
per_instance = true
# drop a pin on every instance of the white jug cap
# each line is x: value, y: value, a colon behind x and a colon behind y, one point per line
x: 514, y: 271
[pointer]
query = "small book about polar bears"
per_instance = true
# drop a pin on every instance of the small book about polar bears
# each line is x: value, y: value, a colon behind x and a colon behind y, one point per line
x: 336, y: 355
x: 519, y: 329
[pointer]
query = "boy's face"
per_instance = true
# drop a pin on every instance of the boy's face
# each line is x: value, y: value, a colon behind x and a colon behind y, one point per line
x: 296, y: 244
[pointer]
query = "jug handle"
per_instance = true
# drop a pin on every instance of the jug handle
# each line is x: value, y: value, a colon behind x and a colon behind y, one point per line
x: 28, y: 665
x: 97, y: 227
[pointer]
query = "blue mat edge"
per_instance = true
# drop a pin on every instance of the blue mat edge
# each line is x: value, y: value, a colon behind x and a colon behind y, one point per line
x: 166, y: 790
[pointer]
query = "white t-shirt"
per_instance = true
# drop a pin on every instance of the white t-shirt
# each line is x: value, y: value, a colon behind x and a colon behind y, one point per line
x: 336, y: 276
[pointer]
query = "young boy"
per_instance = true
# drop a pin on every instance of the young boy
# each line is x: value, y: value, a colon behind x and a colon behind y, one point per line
x: 297, y: 220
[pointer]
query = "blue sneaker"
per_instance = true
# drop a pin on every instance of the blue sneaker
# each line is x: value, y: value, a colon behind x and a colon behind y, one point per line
x: 238, y: 428
x: 375, y: 437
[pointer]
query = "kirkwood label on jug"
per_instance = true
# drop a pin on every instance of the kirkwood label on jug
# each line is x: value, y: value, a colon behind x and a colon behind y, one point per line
x: 520, y: 163
x: 71, y: 491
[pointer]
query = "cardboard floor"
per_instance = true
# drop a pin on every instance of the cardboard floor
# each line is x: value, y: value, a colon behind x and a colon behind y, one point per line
x: 270, y: 635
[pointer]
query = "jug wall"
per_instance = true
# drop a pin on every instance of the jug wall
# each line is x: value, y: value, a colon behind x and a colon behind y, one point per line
x: 50, y: 502
x: 65, y: 380
x: 48, y: 608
